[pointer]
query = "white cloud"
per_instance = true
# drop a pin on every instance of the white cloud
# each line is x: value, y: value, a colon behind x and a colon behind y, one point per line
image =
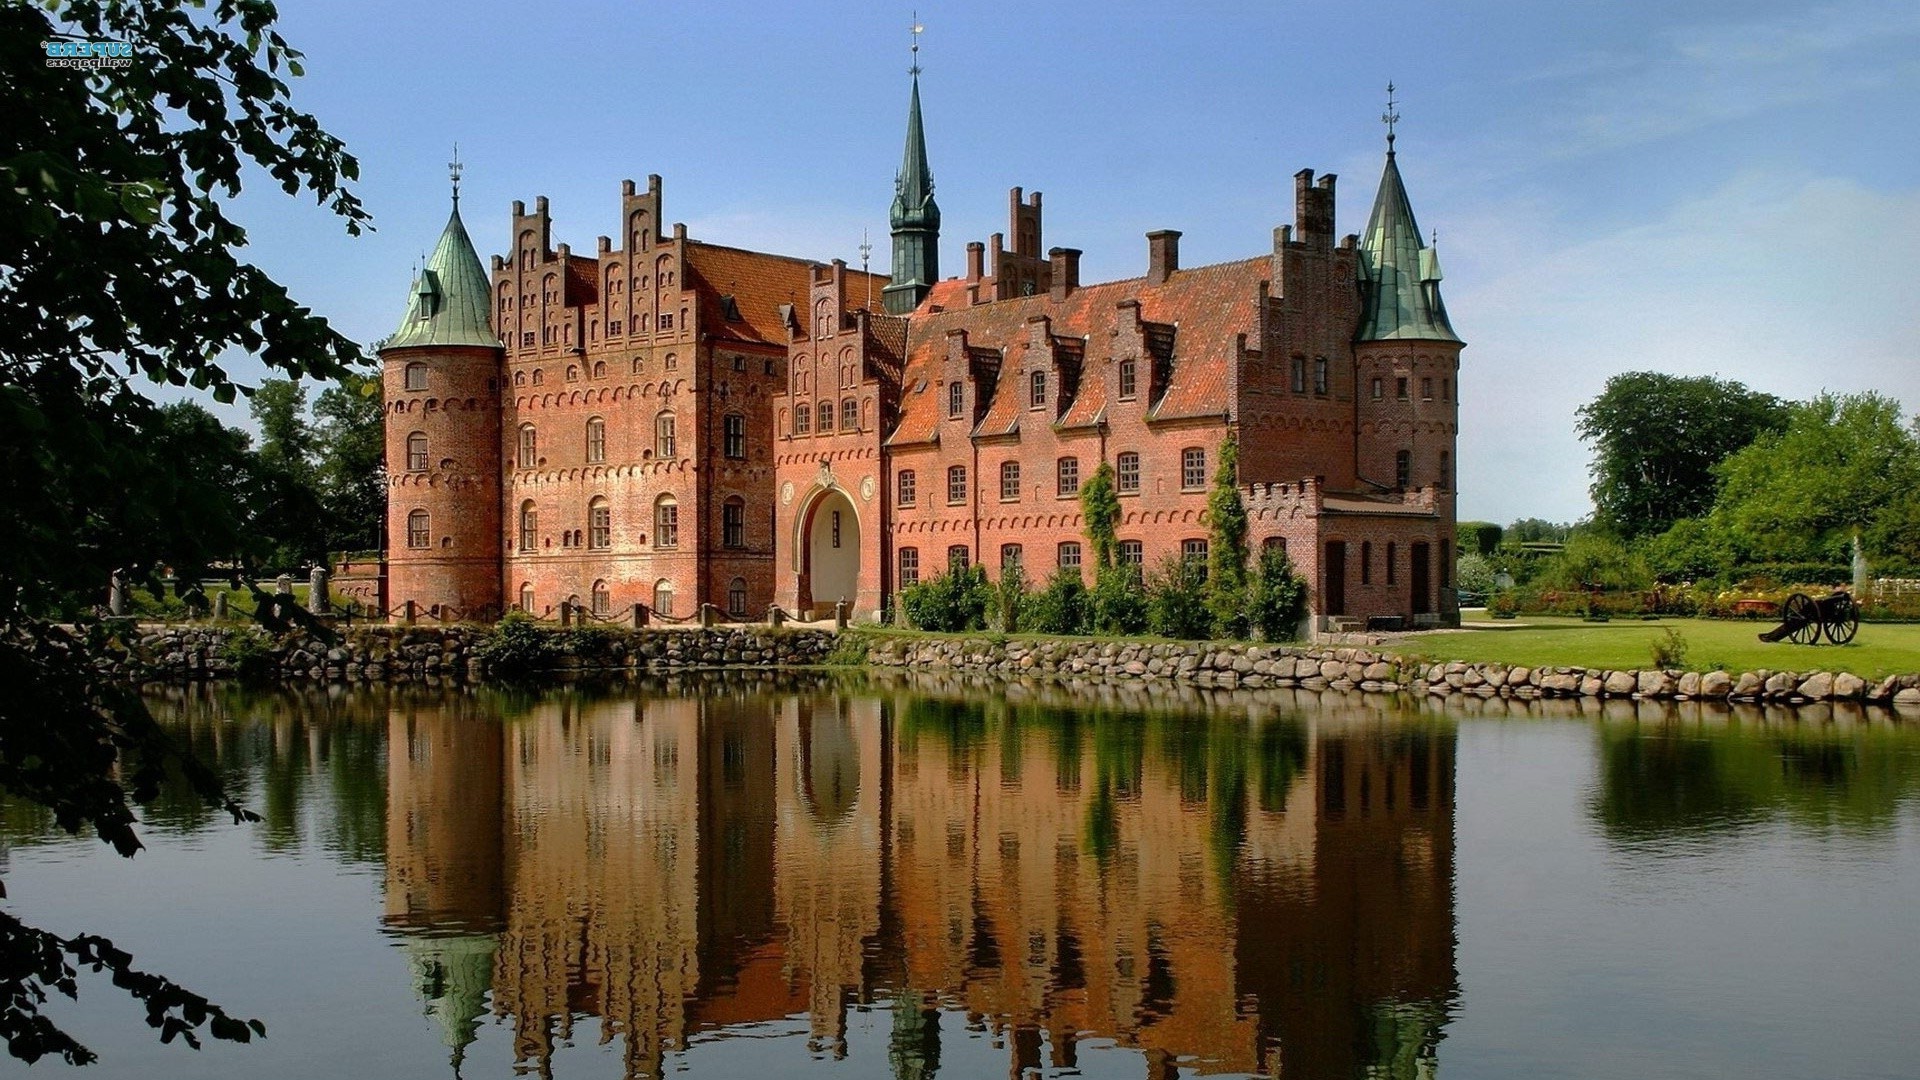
x: 1790, y: 284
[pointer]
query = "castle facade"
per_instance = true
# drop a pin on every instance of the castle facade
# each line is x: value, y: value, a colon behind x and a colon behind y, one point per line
x: 669, y: 422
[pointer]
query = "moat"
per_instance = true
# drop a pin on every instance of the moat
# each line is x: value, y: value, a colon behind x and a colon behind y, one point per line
x: 923, y: 876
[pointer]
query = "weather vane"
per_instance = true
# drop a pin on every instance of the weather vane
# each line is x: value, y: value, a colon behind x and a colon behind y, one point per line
x: 1390, y: 117
x: 917, y: 31
x: 453, y: 170
x: 866, y: 250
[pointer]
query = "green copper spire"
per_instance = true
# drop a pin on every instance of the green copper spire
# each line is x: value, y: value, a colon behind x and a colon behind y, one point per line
x: 915, y: 216
x: 450, y: 298
x: 1400, y: 276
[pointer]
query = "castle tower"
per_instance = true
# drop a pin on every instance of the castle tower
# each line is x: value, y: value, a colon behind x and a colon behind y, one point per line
x: 442, y: 387
x: 915, y: 217
x: 1407, y: 361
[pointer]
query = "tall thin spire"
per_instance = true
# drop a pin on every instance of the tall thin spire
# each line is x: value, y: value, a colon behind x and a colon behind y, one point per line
x: 1390, y: 118
x: 915, y: 217
x: 454, y: 169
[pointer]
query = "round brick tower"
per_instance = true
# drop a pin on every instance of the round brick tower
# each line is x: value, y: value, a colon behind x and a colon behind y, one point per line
x: 442, y: 392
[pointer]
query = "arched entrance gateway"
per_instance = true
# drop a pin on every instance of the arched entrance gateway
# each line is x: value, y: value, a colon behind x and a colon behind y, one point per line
x: 829, y: 553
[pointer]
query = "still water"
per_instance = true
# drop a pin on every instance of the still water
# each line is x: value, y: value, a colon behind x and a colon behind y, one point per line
x: 926, y: 878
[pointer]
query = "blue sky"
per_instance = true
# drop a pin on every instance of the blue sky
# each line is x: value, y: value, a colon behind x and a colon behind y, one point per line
x: 1726, y: 188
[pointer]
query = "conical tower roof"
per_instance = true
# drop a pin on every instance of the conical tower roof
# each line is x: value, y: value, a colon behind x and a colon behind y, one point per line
x: 451, y: 297
x: 1402, y: 275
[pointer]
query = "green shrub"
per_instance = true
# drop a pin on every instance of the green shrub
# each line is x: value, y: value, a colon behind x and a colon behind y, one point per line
x: 1278, y: 599
x: 1118, y: 602
x: 1061, y: 607
x: 1010, y: 600
x: 1226, y: 584
x: 954, y: 601
x: 249, y: 655
x: 1177, y: 599
x: 518, y: 645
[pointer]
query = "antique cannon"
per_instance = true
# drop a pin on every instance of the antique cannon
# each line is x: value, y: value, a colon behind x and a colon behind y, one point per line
x: 1803, y: 619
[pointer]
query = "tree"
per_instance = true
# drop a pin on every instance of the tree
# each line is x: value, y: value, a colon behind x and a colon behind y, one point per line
x: 1842, y: 464
x: 121, y: 266
x: 1478, y: 537
x: 1278, y: 599
x: 352, y: 463
x: 1100, y: 508
x: 1656, y: 439
x: 1227, y: 547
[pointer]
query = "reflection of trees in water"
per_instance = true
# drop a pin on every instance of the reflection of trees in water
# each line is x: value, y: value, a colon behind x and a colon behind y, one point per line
x: 1677, y: 781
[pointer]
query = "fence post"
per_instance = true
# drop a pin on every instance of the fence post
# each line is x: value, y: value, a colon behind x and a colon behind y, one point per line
x: 775, y: 616
x: 318, y: 601
x: 840, y: 615
x: 708, y: 615
x: 566, y: 613
x: 639, y: 616
x: 220, y: 605
x: 413, y: 611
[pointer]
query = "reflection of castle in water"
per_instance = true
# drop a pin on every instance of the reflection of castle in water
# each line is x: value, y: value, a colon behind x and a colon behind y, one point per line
x: 1271, y: 896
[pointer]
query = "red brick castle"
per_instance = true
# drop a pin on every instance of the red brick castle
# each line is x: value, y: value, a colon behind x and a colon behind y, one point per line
x: 669, y: 422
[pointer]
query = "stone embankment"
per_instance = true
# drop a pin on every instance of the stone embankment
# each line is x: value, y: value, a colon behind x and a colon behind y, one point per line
x: 1344, y: 668
x: 390, y: 653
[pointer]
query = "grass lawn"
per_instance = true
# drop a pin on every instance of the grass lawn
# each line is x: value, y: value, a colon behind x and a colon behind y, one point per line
x: 1726, y: 644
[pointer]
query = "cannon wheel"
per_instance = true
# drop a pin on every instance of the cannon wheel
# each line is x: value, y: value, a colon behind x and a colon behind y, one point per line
x: 1800, y: 613
x: 1843, y: 619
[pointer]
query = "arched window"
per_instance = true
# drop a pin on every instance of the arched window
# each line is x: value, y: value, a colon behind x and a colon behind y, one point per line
x: 733, y: 522
x: 538, y: 378
x: 417, y: 452
x: 737, y: 597
x: 666, y: 522
x: 600, y: 524
x: 529, y: 447
x: 596, y: 440
x: 849, y: 415
x: 599, y: 369
x: 416, y: 376
x: 602, y: 599
x: 826, y: 417
x: 663, y: 597
x: 663, y: 440
x: 529, y: 526
x: 673, y: 361
x: 802, y: 418
x: 519, y: 378
x: 419, y: 529
x: 526, y: 597
x: 733, y: 435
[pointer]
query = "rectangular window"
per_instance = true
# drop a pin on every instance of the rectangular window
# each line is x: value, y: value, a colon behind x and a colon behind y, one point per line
x: 419, y: 530
x: 663, y: 438
x: 666, y: 525
x: 956, y: 399
x: 1069, y: 555
x: 737, y: 598
x: 1011, y: 557
x: 1446, y: 389
x: 1128, y: 381
x: 1299, y: 374
x: 734, y: 436
x: 529, y: 529
x: 802, y: 419
x: 909, y: 566
x: 1193, y: 468
x: 1366, y: 562
x: 1037, y: 391
x: 1393, y: 553
x: 1426, y: 389
x: 1069, y: 476
x: 1446, y: 470
x: 416, y: 453
x: 1009, y: 481
x: 733, y: 524
x: 416, y: 376
x: 1194, y: 551
x: 1400, y: 388
x: 957, y: 559
x: 1126, y: 471
x: 1402, y: 469
x: 529, y: 447
x: 600, y: 527
x: 666, y: 321
x: 1319, y: 374
x: 909, y: 488
x: 957, y: 484
x: 849, y: 415
x: 1132, y: 553
x: 1378, y: 392
x: 826, y: 417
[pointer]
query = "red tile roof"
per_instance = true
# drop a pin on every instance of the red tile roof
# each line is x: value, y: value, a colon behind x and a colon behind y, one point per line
x: 1210, y: 305
x: 759, y: 283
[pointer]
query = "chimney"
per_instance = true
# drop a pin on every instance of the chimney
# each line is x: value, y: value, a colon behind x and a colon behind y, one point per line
x: 1163, y: 255
x: 1065, y: 266
x: 976, y: 254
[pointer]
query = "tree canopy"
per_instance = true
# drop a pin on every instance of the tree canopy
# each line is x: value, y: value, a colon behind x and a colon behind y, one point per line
x: 119, y: 269
x: 1656, y: 440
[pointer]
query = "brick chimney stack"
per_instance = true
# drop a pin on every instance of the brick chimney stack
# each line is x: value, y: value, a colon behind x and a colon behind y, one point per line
x: 1163, y: 255
x: 1065, y: 271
